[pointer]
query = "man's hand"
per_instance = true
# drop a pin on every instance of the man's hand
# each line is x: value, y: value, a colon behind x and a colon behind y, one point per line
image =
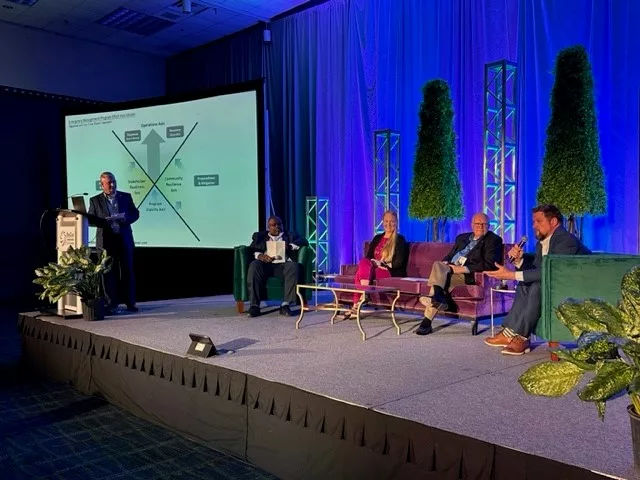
x: 457, y: 269
x: 516, y: 253
x: 501, y: 273
x: 263, y: 257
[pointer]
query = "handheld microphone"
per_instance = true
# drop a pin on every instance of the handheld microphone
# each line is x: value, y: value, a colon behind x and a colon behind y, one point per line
x: 523, y: 240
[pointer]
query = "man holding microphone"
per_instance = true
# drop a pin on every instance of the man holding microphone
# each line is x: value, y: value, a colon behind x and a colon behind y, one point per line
x: 523, y: 317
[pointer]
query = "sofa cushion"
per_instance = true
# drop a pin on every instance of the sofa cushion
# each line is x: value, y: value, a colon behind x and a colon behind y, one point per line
x: 422, y: 256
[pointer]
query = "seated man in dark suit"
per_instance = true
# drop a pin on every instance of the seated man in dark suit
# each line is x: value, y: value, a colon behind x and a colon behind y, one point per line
x: 264, y: 266
x: 116, y: 237
x: 523, y: 317
x: 474, y: 251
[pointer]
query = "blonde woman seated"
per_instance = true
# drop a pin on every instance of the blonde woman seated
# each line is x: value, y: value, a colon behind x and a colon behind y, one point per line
x: 386, y: 257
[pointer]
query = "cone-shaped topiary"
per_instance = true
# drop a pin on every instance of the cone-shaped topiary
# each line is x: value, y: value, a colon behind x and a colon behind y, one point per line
x: 572, y: 177
x: 436, y: 193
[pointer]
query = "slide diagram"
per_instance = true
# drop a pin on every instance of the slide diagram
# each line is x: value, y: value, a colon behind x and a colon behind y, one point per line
x: 163, y: 192
x: 191, y: 168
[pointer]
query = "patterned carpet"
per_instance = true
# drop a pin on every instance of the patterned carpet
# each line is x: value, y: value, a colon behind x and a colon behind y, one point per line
x: 49, y: 430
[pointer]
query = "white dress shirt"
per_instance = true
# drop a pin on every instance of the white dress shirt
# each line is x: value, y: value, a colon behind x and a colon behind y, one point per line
x: 545, y: 250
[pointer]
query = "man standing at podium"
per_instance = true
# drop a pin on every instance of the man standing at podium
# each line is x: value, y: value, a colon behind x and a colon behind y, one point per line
x: 116, y: 237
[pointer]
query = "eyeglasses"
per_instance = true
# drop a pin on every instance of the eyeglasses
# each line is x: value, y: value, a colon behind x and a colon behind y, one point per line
x: 480, y: 224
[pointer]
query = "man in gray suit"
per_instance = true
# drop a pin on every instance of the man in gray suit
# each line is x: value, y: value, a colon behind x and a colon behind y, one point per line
x: 523, y: 317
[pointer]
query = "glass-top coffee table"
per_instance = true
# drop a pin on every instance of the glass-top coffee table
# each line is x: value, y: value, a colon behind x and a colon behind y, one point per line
x: 336, y: 288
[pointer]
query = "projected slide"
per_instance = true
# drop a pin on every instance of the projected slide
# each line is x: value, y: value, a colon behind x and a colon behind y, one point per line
x: 191, y: 167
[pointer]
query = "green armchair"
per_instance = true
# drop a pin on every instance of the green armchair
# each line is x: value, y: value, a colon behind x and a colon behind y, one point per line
x: 579, y: 277
x: 242, y: 257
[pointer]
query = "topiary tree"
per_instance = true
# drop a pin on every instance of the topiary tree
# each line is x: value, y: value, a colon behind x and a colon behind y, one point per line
x: 436, y: 193
x: 572, y: 177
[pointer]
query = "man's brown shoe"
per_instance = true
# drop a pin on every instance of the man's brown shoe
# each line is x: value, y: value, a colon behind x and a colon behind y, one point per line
x: 499, y: 340
x: 518, y: 346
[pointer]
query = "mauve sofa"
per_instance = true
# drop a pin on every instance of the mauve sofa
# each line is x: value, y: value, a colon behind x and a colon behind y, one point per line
x: 472, y: 302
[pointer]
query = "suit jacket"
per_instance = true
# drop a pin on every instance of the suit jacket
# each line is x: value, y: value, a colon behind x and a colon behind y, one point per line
x: 398, y: 267
x: 98, y: 206
x: 561, y: 243
x: 260, y: 239
x: 483, y: 257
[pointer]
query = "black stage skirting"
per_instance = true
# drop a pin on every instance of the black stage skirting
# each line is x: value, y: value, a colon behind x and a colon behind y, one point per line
x: 289, y: 432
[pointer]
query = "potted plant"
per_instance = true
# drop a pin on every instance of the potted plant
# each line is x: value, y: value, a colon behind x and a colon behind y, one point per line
x: 436, y: 193
x: 608, y: 349
x: 572, y: 176
x: 76, y: 273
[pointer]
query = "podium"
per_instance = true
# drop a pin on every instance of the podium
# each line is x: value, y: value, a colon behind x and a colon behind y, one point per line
x: 72, y: 230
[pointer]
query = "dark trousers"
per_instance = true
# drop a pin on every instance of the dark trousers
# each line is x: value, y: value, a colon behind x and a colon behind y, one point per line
x: 119, y: 282
x: 525, y: 312
x: 259, y: 272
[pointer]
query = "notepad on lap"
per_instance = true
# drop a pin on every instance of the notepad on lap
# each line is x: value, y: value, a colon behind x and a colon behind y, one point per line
x: 276, y: 250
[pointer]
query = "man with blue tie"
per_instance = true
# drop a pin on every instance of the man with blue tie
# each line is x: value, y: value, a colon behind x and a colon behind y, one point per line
x: 117, y: 239
x: 474, y: 251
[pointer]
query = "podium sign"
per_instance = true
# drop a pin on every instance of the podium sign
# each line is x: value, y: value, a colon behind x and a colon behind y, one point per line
x: 72, y: 230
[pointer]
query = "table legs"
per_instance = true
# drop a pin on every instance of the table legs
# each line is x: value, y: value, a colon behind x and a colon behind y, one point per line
x: 335, y: 305
x: 301, y: 308
x: 393, y: 312
x: 363, y: 297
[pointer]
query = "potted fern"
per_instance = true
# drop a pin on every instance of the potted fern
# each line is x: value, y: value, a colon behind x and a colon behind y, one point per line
x: 608, y: 350
x: 76, y: 273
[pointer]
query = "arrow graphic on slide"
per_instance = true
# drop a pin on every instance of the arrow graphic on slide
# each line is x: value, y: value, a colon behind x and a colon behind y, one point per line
x: 153, y: 142
x: 154, y: 191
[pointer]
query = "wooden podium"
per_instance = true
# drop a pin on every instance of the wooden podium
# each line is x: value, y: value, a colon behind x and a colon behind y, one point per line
x: 72, y: 230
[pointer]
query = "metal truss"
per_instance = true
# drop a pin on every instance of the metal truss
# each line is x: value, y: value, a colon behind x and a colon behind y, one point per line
x: 500, y: 148
x: 386, y: 175
x: 317, y: 231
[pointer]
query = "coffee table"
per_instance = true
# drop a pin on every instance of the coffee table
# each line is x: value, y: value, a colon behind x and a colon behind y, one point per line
x: 336, y: 307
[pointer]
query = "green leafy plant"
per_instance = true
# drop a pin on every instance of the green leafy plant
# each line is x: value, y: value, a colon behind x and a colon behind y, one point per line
x: 572, y: 176
x: 75, y: 273
x: 608, y: 347
x: 436, y: 193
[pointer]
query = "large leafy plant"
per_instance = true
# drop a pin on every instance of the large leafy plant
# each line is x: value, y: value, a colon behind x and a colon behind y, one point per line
x: 572, y: 176
x: 608, y: 349
x: 75, y: 273
x: 436, y: 193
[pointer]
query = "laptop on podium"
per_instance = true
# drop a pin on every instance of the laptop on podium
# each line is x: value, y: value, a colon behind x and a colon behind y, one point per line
x: 78, y: 204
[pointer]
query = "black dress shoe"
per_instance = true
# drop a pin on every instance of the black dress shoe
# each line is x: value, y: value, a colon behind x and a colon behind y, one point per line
x: 285, y: 310
x: 425, y: 327
x: 132, y: 308
x: 254, y: 311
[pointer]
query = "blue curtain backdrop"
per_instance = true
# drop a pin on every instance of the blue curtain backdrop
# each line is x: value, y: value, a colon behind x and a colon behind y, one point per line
x: 608, y: 29
x: 339, y: 71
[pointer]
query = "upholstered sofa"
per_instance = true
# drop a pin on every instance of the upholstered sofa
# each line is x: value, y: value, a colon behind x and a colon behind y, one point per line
x: 472, y: 302
x: 243, y: 256
x: 578, y: 277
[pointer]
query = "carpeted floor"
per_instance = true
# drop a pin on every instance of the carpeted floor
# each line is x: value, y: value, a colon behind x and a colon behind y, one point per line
x: 49, y: 430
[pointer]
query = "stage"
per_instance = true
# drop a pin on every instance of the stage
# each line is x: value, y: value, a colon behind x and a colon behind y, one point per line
x: 319, y: 402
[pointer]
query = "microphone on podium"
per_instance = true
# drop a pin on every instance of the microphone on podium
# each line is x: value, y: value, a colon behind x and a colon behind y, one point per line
x: 523, y: 240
